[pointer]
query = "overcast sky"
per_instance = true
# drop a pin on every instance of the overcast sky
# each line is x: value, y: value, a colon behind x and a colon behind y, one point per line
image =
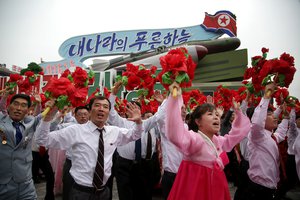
x: 34, y: 29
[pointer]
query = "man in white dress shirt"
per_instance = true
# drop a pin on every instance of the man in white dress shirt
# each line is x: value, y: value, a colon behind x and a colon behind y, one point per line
x: 83, y: 139
x: 133, y: 172
x: 172, y: 157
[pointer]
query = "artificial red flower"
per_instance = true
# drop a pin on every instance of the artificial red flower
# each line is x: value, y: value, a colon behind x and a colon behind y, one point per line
x: 13, y: 81
x: 281, y: 71
x: 66, y: 73
x: 80, y: 77
x: 78, y: 98
x: 280, y: 95
x: 91, y: 77
x: 29, y: 74
x: 94, y: 94
x: 24, y: 86
x: 193, y: 98
x: 177, y: 66
x: 139, y: 78
x: 121, y: 106
x: 241, y: 94
x: 133, y: 82
x: 43, y: 99
x: 91, y: 81
x: 14, y: 78
x: 106, y: 92
x: 149, y: 105
x: 223, y: 97
x: 57, y: 87
x: 174, y: 61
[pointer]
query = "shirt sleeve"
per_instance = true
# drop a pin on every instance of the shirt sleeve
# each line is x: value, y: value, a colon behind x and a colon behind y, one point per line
x: 239, y: 130
x: 159, y: 116
x: 114, y: 118
x: 186, y: 141
x: 128, y: 135
x: 69, y: 118
x: 244, y: 106
x: 60, y: 139
x: 292, y: 131
x: 38, y: 109
x: 281, y: 130
x: 259, y: 120
x: 277, y: 112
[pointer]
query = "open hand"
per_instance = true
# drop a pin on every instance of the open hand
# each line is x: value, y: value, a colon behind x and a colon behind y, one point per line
x: 135, y: 113
x: 158, y: 96
x: 236, y: 105
x: 269, y: 90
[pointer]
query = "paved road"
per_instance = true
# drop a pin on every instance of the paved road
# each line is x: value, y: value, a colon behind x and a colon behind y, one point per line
x: 294, y: 194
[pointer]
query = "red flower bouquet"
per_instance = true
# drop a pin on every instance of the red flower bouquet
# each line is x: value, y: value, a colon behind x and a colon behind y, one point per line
x: 94, y: 94
x: 106, y: 92
x: 32, y: 79
x: 223, y: 97
x: 58, y: 89
x: 177, y: 66
x: 139, y: 78
x: 69, y: 89
x: 193, y: 98
x: 241, y: 94
x: 263, y: 71
x: 81, y: 78
x: 121, y: 106
x: 281, y: 96
x: 282, y: 70
x: 149, y: 105
x: 13, y: 81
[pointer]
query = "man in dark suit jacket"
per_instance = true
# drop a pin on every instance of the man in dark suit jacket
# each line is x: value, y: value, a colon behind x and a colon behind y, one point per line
x: 16, y: 131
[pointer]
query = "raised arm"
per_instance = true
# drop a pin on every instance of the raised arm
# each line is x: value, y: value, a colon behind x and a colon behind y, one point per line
x: 186, y: 141
x: 114, y: 118
x: 158, y: 117
x: 240, y: 128
x: 292, y: 131
x: 260, y: 114
x: 59, y: 139
x: 136, y: 129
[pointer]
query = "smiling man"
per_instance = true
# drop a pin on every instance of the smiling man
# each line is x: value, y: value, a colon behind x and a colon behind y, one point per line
x: 93, y: 145
x: 16, y: 131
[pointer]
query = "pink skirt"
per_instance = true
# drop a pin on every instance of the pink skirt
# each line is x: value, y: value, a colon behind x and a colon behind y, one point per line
x: 197, y: 182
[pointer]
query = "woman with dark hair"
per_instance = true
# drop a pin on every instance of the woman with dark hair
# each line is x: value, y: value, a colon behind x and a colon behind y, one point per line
x: 200, y: 175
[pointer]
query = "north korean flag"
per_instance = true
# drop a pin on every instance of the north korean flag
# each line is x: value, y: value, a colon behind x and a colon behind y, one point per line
x: 223, y: 21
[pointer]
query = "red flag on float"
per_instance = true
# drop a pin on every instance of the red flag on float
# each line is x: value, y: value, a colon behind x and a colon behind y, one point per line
x: 223, y: 21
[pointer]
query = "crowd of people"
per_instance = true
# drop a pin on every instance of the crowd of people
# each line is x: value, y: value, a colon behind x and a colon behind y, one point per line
x: 191, y: 156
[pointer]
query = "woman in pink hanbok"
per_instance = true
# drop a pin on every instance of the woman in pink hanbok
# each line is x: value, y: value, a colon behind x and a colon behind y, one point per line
x: 200, y: 175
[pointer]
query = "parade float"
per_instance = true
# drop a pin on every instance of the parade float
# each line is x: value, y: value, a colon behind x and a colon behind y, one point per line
x: 217, y: 58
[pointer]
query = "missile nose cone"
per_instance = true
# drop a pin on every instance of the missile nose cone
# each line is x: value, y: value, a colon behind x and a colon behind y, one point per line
x: 201, y: 51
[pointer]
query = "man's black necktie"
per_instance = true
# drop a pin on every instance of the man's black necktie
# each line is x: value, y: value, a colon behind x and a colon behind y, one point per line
x: 138, y: 150
x: 149, y: 146
x: 99, y: 169
x: 18, y: 132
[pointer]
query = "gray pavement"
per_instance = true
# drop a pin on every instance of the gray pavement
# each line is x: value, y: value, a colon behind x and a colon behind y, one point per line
x: 41, y: 188
x: 293, y: 194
